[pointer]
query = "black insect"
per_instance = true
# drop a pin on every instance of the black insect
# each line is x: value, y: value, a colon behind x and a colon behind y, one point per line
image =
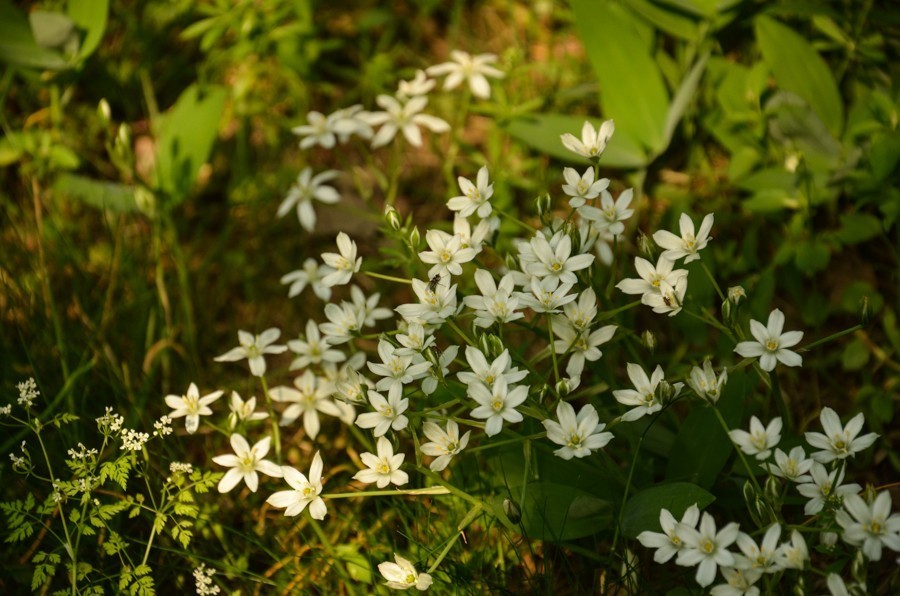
x: 433, y: 283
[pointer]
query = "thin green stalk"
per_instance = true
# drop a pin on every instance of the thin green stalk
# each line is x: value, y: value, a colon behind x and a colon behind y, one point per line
x: 514, y: 219
x: 713, y: 280
x: 461, y: 333
x: 414, y: 492
x: 781, y: 403
x: 399, y: 280
x: 473, y: 513
x: 348, y: 582
x: 740, y: 453
x: 72, y: 552
x: 276, y: 432
x: 831, y: 337
x: 552, y: 350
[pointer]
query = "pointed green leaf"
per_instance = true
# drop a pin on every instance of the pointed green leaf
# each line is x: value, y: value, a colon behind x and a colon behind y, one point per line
x: 91, y: 16
x: 542, y: 131
x: 186, y: 139
x: 17, y: 44
x: 642, y: 510
x: 798, y: 68
x: 632, y: 91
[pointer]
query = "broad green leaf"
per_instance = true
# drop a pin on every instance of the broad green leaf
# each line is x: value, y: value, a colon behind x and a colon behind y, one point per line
x: 798, y: 68
x: 770, y: 200
x: 702, y: 447
x: 793, y: 124
x: 673, y: 22
x: 884, y: 154
x: 632, y: 91
x: 186, y: 139
x: 52, y: 29
x: 91, y: 16
x: 96, y: 193
x: 858, y: 227
x: 812, y: 256
x: 855, y: 355
x: 556, y: 512
x: 542, y: 131
x: 642, y: 510
x: 683, y: 97
x: 17, y: 44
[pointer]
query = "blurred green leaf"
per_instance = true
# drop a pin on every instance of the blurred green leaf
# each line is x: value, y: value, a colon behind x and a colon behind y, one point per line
x: 855, y: 355
x: 683, y: 98
x: 186, y: 139
x: 702, y: 448
x: 673, y: 22
x: 52, y: 29
x: 798, y: 68
x: 642, y: 510
x: 556, y: 512
x: 542, y: 131
x: 91, y: 16
x: 858, y: 227
x: 96, y: 193
x: 632, y: 91
x: 884, y: 153
x: 17, y: 44
x: 812, y: 256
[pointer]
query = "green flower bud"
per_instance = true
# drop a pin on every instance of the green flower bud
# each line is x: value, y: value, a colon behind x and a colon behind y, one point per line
x: 647, y: 246
x: 392, y: 217
x: 863, y: 311
x: 104, y: 111
x: 648, y: 340
x: 414, y: 238
x: 736, y: 295
x: 563, y: 387
x: 512, y: 511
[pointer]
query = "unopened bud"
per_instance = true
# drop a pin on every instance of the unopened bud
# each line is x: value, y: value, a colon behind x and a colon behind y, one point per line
x: 863, y: 311
x: 648, y: 340
x: 496, y: 345
x: 750, y: 499
x: 542, y: 390
x: 414, y: 238
x: 858, y: 568
x: 511, y: 262
x: 799, y: 588
x: 123, y: 136
x: 773, y: 489
x: 869, y: 494
x: 646, y: 246
x: 563, y: 387
x: 542, y: 204
x: 392, y: 217
x: 727, y: 312
x: 736, y: 295
x: 665, y: 392
x: 512, y: 511
x: 104, y: 111
x: 484, y: 344
x: 828, y: 539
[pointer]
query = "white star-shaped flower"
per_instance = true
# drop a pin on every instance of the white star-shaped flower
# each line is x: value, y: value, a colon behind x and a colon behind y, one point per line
x: 465, y: 67
x: 760, y: 440
x: 191, y: 406
x: 475, y: 197
x: 243, y: 411
x: 687, y: 245
x: 582, y: 188
x: 771, y: 344
x: 838, y: 441
x: 253, y: 347
x: 402, y: 575
x: 497, y: 404
x: 447, y: 254
x: 305, y: 491
x: 306, y: 189
x: 245, y: 462
x: 384, y: 468
x: 870, y: 524
x: 388, y: 413
x: 579, y: 435
x: 311, y: 274
x: 343, y: 264
x: 403, y: 117
x: 444, y: 444
x: 670, y: 541
x: 308, y: 399
x: 592, y: 142
x: 708, y: 548
x: 612, y: 214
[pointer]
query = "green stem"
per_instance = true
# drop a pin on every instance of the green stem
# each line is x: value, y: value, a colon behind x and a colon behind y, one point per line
x: 713, y: 280
x: 326, y: 543
x: 514, y: 219
x: 461, y: 333
x: 70, y: 550
x: 276, y: 432
x: 831, y: 337
x: 551, y: 347
x: 474, y: 512
x: 387, y: 277
x: 415, y: 492
x: 611, y: 313
x: 740, y: 453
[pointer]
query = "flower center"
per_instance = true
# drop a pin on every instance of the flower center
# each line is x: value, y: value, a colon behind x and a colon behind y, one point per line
x: 384, y: 468
x: 772, y: 344
x: 708, y: 546
x: 497, y: 405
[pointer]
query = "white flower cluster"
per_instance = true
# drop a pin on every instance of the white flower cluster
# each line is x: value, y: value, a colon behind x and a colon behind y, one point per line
x: 203, y: 580
x: 82, y: 452
x: 133, y: 440
x: 865, y: 524
x: 28, y: 392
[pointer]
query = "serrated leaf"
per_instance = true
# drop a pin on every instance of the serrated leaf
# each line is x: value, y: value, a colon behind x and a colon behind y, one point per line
x: 798, y: 68
x: 642, y: 510
x: 632, y: 91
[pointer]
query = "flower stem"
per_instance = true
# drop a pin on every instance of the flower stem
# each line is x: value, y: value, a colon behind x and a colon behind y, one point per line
x: 415, y: 492
x: 326, y: 543
x: 833, y: 336
x: 276, y: 432
x: 474, y: 512
x: 515, y: 219
x: 399, y: 280
x: 713, y: 280
x: 740, y: 453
